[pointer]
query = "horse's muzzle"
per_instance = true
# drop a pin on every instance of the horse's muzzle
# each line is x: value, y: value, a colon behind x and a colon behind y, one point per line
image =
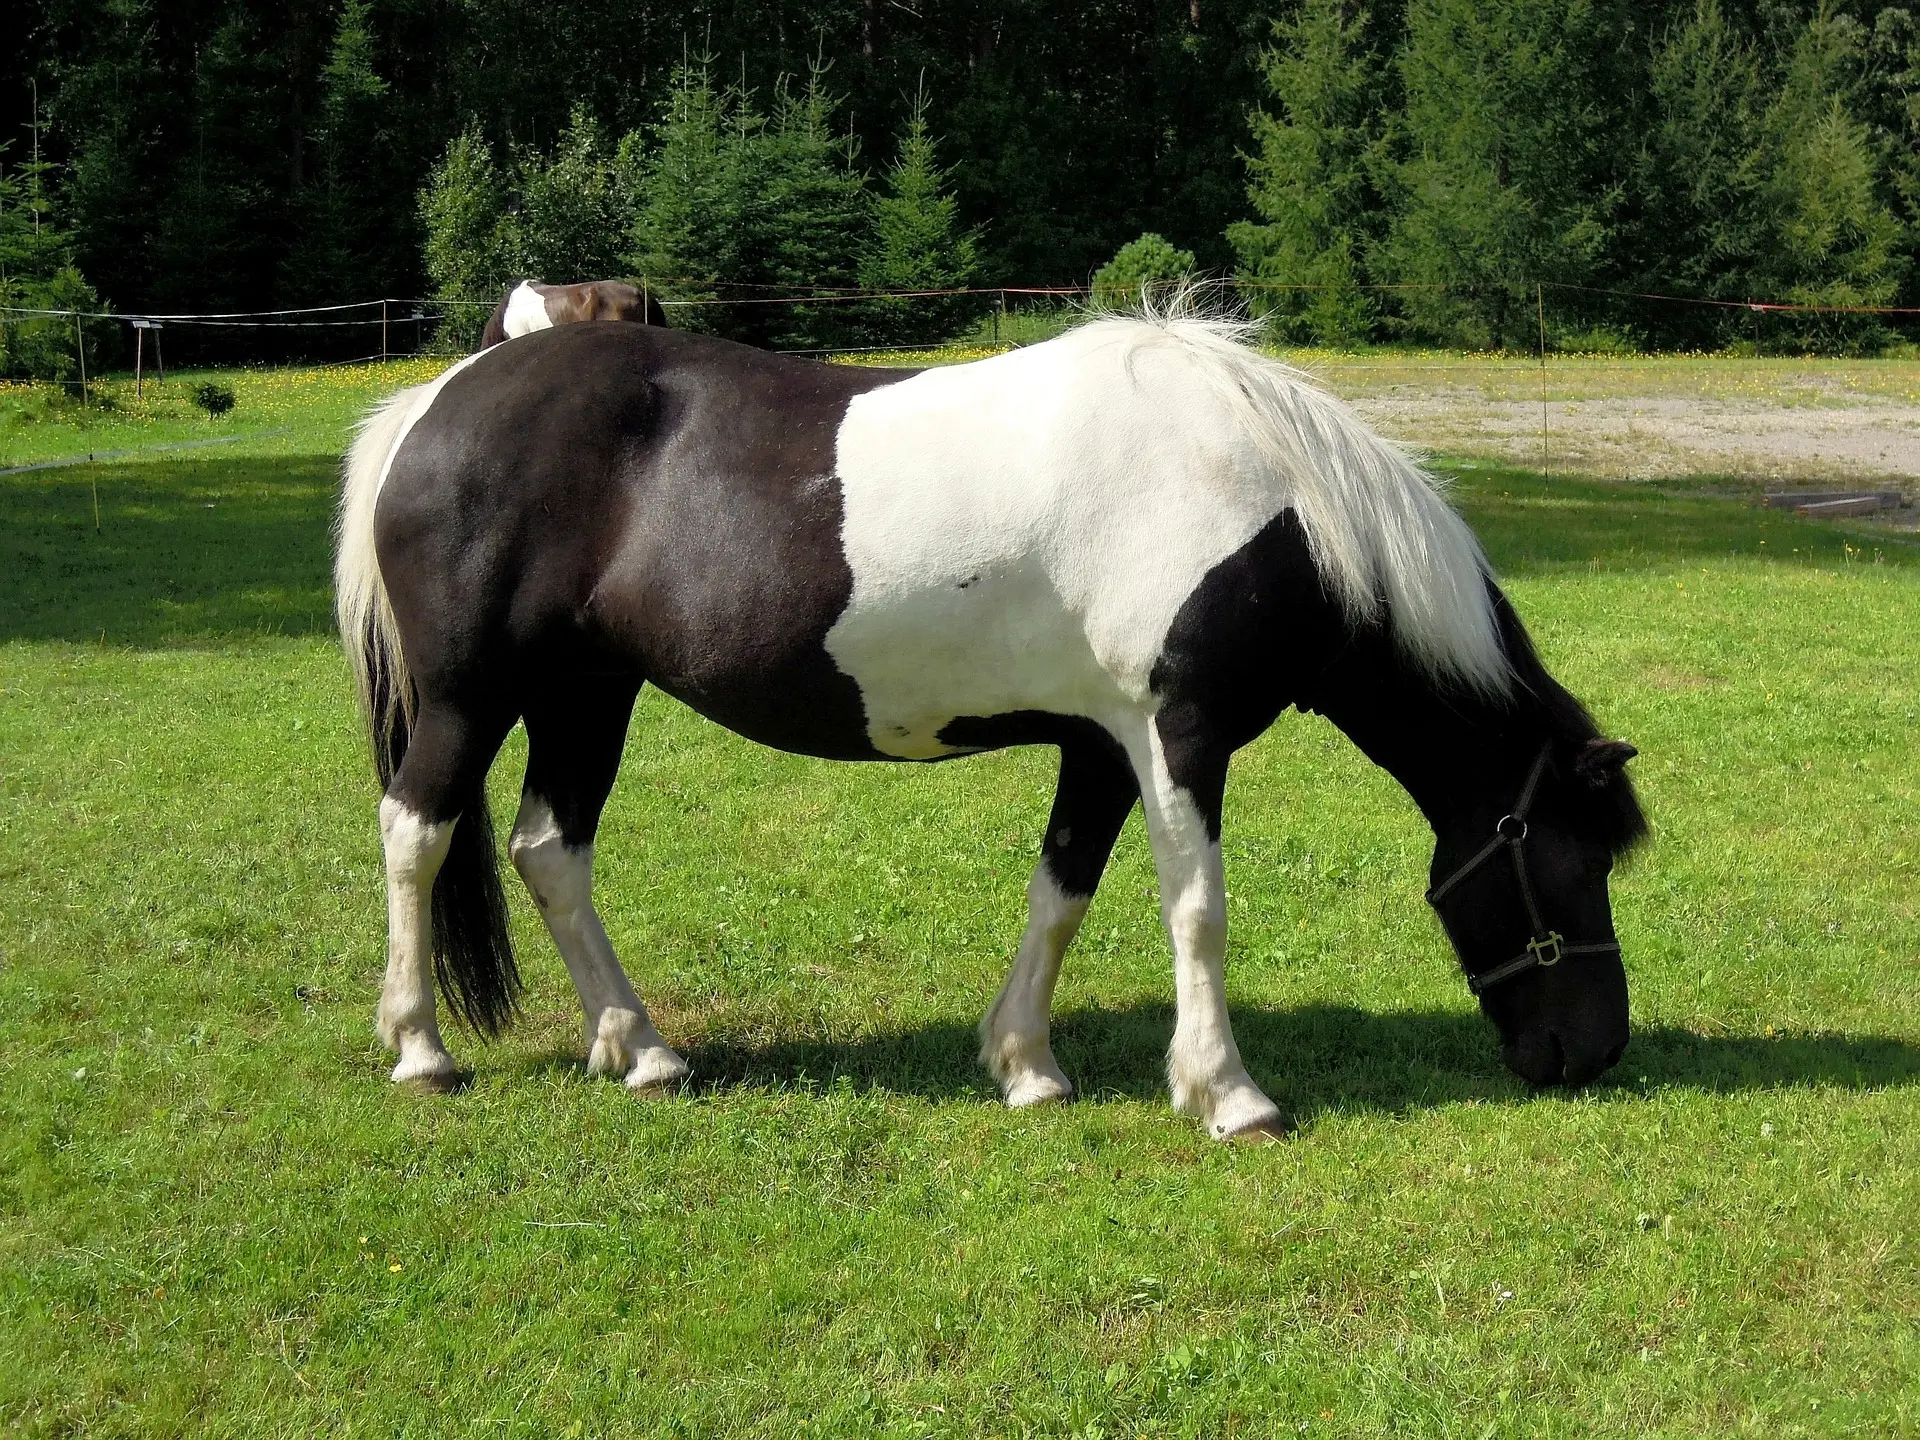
x: 1545, y: 1057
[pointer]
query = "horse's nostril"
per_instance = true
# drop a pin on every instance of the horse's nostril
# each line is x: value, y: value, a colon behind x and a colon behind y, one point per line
x: 1613, y: 1055
x: 1537, y: 1058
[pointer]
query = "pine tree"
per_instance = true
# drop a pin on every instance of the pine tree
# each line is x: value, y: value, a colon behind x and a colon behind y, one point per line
x: 1310, y: 182
x: 1510, y: 168
x: 574, y: 207
x: 918, y: 244
x: 468, y: 239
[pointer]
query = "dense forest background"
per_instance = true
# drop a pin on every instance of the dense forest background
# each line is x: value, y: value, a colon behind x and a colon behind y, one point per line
x: 1423, y: 165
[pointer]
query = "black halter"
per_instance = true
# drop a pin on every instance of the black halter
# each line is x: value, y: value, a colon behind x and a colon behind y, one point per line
x: 1547, y: 947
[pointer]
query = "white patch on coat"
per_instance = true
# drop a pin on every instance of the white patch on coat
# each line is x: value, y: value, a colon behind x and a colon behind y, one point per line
x: 407, y: 1021
x: 526, y: 311
x: 1023, y: 530
x: 1014, y: 1042
x: 620, y: 1036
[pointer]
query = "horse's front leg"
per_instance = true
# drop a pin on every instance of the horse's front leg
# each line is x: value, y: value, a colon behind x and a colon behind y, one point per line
x: 1096, y: 790
x: 1182, y: 783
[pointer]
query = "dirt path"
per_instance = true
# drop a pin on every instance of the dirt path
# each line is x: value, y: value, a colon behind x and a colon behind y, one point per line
x: 1745, y: 421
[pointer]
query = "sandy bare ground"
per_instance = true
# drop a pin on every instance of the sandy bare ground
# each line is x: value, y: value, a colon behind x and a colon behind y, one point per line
x: 1748, y: 422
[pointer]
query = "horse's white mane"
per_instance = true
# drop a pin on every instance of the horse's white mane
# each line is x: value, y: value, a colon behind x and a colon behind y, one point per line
x: 1378, y: 526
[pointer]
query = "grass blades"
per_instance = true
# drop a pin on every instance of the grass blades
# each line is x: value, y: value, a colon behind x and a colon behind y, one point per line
x: 216, y: 1216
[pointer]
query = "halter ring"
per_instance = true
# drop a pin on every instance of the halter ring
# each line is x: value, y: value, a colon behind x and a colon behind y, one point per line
x: 1501, y: 829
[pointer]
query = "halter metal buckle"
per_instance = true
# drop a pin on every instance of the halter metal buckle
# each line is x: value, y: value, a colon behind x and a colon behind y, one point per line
x: 1546, y: 952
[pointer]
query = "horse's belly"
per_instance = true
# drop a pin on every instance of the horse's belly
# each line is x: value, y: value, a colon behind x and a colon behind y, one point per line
x: 971, y: 642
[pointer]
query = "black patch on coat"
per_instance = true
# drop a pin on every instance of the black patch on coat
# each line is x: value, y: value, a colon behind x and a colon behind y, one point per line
x: 1094, y: 795
x: 635, y: 501
x: 1256, y: 626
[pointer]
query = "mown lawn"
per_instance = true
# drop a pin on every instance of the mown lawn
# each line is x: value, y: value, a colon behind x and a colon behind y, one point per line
x: 217, y: 1217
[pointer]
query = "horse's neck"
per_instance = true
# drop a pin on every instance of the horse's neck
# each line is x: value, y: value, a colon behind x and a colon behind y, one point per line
x: 1450, y: 750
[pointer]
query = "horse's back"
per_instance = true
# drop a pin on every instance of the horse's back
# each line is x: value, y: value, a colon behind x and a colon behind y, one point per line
x: 828, y: 558
x: 1022, y: 532
x: 624, y: 494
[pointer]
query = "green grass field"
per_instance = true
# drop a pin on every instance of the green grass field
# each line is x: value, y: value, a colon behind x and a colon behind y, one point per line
x: 217, y: 1217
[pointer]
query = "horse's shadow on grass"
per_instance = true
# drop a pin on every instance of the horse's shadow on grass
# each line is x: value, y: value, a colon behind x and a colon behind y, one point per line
x: 1312, y: 1059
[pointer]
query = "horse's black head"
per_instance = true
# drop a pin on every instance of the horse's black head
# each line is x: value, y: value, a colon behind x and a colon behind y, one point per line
x: 1520, y: 882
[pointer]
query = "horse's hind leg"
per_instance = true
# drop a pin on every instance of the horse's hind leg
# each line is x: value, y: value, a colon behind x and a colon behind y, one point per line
x: 575, y: 740
x: 441, y: 777
x: 1095, y: 793
x: 407, y: 1021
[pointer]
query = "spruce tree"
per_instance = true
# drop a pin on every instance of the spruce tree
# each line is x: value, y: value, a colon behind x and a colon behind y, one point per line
x: 1151, y: 264
x: 918, y: 244
x: 1511, y: 156
x: 1309, y: 182
x: 807, y: 219
x: 343, y: 242
x: 1700, y: 225
x: 693, y: 181
x: 37, y: 272
x: 1837, y: 240
x: 468, y: 237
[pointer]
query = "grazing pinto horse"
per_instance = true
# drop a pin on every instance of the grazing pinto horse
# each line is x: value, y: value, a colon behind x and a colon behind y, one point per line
x: 531, y: 306
x: 1138, y: 543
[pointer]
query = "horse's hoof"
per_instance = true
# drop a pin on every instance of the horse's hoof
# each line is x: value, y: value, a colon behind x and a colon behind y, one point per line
x: 659, y: 1074
x: 1033, y: 1090
x: 434, y: 1082
x: 1262, y: 1132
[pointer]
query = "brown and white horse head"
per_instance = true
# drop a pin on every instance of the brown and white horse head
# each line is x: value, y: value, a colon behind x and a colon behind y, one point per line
x: 532, y: 306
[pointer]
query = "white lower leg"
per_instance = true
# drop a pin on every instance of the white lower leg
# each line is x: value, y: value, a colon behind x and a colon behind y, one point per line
x: 620, y: 1036
x: 1204, y: 1069
x: 1013, y: 1036
x: 415, y: 849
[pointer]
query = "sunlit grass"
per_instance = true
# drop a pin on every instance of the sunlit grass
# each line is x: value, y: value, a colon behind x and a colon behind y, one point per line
x: 216, y: 1216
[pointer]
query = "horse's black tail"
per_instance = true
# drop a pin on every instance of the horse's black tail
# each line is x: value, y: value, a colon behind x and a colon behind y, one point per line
x: 472, y: 950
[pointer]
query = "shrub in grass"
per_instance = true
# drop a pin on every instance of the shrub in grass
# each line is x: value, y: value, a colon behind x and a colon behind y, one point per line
x: 215, y: 399
x: 1151, y: 262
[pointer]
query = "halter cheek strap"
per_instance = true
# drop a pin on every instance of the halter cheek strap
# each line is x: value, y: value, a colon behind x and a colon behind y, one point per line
x: 1545, y: 948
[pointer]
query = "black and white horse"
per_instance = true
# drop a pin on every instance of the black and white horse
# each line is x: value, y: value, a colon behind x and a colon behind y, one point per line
x: 531, y: 306
x: 1139, y: 543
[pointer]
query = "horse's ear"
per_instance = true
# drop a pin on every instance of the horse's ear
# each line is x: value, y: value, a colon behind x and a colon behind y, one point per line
x: 1600, y: 760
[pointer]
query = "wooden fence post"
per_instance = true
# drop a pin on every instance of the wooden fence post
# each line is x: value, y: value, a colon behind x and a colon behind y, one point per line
x: 1540, y: 306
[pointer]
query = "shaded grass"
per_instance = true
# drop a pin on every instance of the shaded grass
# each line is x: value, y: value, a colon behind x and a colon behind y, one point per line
x: 216, y: 1216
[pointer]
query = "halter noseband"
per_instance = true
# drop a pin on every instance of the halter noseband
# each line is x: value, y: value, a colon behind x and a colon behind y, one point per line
x: 1547, y: 947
